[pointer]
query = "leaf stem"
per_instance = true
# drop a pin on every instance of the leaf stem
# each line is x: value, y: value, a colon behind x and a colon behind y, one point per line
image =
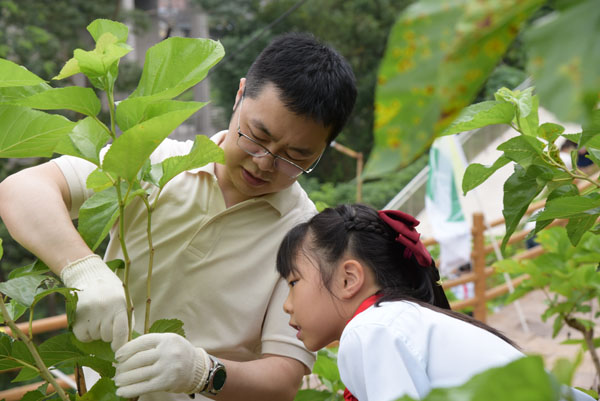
x: 44, y: 372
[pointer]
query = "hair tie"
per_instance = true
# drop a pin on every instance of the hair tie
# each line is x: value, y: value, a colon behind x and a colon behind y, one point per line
x: 404, y: 225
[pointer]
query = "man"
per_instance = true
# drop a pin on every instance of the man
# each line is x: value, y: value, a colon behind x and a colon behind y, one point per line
x: 215, y: 230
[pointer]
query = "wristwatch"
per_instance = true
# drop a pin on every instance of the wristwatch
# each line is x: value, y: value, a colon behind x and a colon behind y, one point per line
x: 216, y: 377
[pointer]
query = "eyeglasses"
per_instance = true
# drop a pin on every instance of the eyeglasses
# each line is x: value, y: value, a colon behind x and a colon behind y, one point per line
x: 253, y: 148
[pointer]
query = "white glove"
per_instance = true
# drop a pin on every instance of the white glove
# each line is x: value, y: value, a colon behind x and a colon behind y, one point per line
x: 101, y: 307
x: 160, y: 362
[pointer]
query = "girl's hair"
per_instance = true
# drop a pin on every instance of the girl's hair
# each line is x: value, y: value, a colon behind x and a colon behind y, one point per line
x: 359, y: 231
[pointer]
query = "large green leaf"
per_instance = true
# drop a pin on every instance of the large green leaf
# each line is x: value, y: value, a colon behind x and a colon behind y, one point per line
x: 522, y: 380
x: 135, y: 110
x: 130, y: 151
x: 12, y: 95
x: 571, y: 206
x: 203, y: 151
x: 12, y: 74
x: 481, y: 115
x: 30, y: 133
x: 175, y: 65
x: 81, y: 100
x: 564, y: 54
x: 520, y: 190
x: 439, y: 54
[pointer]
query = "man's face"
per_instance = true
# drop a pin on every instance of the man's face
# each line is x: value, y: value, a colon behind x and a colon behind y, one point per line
x: 268, y: 122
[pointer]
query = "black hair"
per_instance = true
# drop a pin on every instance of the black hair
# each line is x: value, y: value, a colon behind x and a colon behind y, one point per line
x: 314, y: 80
x: 359, y: 231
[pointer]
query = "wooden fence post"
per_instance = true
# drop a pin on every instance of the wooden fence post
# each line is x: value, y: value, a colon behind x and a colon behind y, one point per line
x: 478, y: 256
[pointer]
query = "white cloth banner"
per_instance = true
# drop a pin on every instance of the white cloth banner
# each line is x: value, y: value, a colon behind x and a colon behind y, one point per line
x: 443, y: 208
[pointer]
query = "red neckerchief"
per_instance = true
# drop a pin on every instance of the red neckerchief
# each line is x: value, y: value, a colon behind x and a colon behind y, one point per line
x: 367, y: 303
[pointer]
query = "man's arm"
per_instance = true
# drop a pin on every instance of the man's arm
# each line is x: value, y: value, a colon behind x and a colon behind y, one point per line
x: 272, y: 378
x: 34, y: 206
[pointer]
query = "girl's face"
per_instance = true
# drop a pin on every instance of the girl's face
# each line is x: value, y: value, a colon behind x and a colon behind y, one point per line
x: 314, y: 310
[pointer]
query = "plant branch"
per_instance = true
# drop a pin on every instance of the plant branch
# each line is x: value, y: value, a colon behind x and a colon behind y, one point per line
x: 588, y: 336
x: 44, y: 372
x: 126, y: 259
x: 150, y: 209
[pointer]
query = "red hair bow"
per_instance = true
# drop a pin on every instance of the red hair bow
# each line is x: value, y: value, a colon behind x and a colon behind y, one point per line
x: 404, y: 224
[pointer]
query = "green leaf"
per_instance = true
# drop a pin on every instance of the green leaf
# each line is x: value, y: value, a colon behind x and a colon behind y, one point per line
x: 59, y: 348
x: 130, y: 151
x: 526, y: 113
x: 570, y: 206
x: 133, y: 111
x: 98, y: 62
x: 116, y: 264
x: 326, y: 368
x: 81, y: 100
x: 203, y: 151
x: 578, y: 226
x: 550, y: 131
x: 36, y: 268
x: 98, y: 180
x: 591, y: 131
x: 165, y: 76
x: 6, y: 347
x: 168, y: 326
x: 15, y: 310
x: 559, y: 192
x: 89, y: 136
x: 30, y: 133
x: 97, y: 215
x: 70, y: 68
x: 522, y: 380
x: 563, y: 57
x: 22, y: 289
x: 103, y: 390
x: 481, y: 115
x: 35, y: 395
x: 12, y: 95
x: 476, y: 173
x: 101, y: 26
x: 520, y: 189
x: 312, y: 395
x: 12, y: 74
x: 524, y: 150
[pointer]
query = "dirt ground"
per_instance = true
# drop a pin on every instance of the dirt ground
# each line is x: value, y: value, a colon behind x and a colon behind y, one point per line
x: 539, y: 338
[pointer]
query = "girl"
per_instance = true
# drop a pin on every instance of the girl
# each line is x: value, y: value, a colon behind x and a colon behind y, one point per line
x: 364, y: 278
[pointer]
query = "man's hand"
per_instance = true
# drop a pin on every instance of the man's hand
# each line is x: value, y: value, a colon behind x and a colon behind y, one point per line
x: 160, y: 362
x: 101, y: 307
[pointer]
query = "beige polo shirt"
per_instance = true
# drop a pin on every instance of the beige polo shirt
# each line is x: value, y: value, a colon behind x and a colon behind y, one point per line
x: 214, y: 267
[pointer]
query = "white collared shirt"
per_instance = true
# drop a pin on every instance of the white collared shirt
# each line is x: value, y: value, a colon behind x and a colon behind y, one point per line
x: 403, y: 348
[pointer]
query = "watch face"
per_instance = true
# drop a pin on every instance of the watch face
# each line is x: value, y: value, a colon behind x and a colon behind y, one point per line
x: 219, y: 379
